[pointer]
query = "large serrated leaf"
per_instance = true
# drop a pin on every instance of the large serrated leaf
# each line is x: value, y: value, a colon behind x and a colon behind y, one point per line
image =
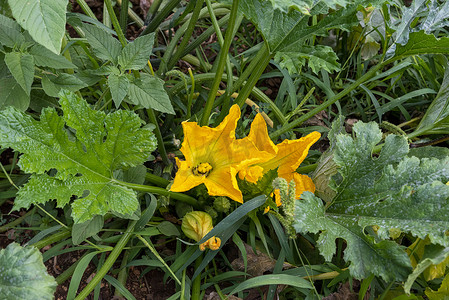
x: 21, y: 67
x: 137, y: 53
x: 391, y: 191
x: 386, y: 258
x: 318, y: 58
x: 84, y: 164
x: 23, y: 274
x: 44, y: 20
x: 422, y: 43
x: 103, y: 44
x: 149, y: 92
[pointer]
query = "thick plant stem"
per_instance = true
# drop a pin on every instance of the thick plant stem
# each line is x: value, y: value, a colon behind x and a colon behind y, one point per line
x: 252, y: 80
x: 160, y: 141
x: 108, y: 263
x: 371, y: 73
x: 115, y: 23
x: 223, y: 56
x: 186, y: 38
x: 160, y: 191
x: 196, y: 284
x: 53, y: 239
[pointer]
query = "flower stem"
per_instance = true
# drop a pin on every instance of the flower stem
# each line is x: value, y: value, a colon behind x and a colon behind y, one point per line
x: 223, y: 56
x: 196, y: 284
x: 160, y: 191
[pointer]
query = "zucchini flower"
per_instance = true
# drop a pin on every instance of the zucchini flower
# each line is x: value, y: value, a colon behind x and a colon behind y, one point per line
x: 196, y: 225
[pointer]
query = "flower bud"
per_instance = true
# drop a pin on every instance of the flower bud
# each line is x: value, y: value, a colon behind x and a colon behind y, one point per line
x: 222, y: 204
x: 196, y: 225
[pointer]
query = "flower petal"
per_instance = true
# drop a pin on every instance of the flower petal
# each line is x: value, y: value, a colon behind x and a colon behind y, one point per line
x: 224, y: 183
x: 184, y: 179
x: 303, y: 183
x: 258, y: 134
x: 291, y: 153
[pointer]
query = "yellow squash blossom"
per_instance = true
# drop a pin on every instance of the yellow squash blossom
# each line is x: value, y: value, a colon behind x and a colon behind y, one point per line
x: 286, y: 156
x: 196, y: 225
x: 213, y: 157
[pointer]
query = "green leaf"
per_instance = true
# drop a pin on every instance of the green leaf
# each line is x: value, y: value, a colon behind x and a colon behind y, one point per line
x: 10, y: 34
x: 409, y: 196
x: 119, y: 86
x: 53, y: 84
x: 392, y: 191
x: 85, y: 161
x: 136, y: 54
x: 385, y: 258
x: 442, y: 293
x: 434, y: 256
x: 103, y: 44
x: 283, y: 279
x: 12, y: 94
x: 422, y: 43
x: 21, y: 67
x: 82, y: 231
x: 436, y: 118
x: 168, y: 229
x: 318, y: 57
x: 149, y: 92
x: 43, y: 19
x: 23, y: 274
x: 45, y: 58
x: 40, y: 100
x: 287, y: 32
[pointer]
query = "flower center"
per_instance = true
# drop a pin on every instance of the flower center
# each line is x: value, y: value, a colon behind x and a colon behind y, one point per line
x: 202, y: 169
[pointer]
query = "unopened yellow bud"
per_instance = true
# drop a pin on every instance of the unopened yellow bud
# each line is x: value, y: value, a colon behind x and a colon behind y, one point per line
x: 196, y: 225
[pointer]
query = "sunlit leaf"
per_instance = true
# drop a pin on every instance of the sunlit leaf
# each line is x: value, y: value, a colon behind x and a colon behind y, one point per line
x: 84, y: 161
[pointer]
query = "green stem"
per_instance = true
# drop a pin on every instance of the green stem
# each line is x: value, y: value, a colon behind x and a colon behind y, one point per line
x: 256, y: 93
x: 152, y: 10
x: 109, y: 261
x: 263, y: 51
x: 160, y: 141
x: 196, y: 284
x: 86, y: 9
x: 135, y: 17
x: 371, y: 73
x: 160, y: 191
x: 253, y: 78
x: 53, y: 239
x: 165, y: 11
x: 17, y: 221
x: 162, y: 182
x: 124, y: 15
x: 115, y: 23
x: 186, y: 37
x: 223, y: 56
